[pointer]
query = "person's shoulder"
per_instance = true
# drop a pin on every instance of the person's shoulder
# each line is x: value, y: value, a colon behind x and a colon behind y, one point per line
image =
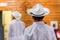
x: 28, y: 29
x: 12, y: 22
x: 48, y: 27
x: 22, y: 22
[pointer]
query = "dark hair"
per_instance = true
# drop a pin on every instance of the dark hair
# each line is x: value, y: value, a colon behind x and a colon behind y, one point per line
x: 38, y: 18
x: 13, y: 17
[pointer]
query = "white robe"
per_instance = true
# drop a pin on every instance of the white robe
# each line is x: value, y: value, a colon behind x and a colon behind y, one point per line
x: 39, y: 31
x: 16, y: 30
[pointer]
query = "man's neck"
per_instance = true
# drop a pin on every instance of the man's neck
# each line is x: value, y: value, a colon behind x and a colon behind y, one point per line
x: 37, y: 20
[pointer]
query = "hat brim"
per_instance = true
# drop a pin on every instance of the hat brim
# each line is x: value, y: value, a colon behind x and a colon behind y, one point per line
x: 32, y: 13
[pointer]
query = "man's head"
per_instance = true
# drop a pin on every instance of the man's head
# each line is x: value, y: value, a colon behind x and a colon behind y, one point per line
x: 16, y: 15
x: 38, y: 12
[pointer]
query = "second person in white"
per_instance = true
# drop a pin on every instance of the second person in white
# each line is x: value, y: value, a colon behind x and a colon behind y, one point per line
x: 16, y: 27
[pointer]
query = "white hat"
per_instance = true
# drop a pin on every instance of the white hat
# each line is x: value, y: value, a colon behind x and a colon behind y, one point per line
x: 38, y: 11
x: 16, y: 14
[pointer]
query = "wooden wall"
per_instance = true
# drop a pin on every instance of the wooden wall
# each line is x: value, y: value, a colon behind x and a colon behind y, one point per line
x: 22, y: 5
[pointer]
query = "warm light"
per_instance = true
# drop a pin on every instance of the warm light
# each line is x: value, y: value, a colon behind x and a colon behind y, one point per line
x: 3, y: 4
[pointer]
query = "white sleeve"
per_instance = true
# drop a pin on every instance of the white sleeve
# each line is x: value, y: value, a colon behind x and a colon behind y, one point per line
x: 23, y: 26
x: 53, y: 35
x: 26, y: 35
x: 9, y: 35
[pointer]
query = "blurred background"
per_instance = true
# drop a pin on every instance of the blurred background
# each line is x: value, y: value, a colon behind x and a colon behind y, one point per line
x: 7, y: 6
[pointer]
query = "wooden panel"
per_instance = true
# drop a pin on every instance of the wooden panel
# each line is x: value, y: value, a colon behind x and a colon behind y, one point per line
x: 23, y: 5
